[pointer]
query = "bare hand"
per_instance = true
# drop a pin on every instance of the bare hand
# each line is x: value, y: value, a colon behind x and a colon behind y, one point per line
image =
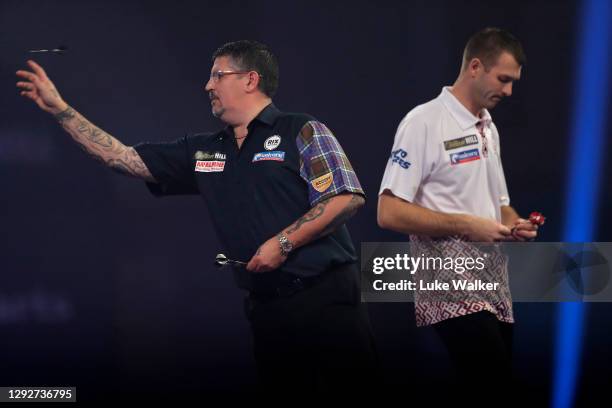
x: 267, y: 258
x: 523, y: 230
x: 40, y: 89
x: 486, y: 230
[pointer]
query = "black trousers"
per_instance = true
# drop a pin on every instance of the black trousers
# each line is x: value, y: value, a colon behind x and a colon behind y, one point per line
x: 480, y: 348
x: 316, y: 341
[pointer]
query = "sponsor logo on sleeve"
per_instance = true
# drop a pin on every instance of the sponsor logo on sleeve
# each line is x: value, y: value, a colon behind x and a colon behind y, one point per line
x: 272, y: 142
x: 460, y: 142
x: 322, y: 183
x: 399, y: 156
x: 464, y: 157
x: 265, y: 156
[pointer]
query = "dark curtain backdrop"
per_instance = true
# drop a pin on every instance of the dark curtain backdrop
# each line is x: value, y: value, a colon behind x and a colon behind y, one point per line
x: 109, y: 289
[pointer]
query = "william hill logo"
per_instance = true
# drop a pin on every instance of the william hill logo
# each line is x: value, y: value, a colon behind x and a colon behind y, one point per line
x: 200, y: 155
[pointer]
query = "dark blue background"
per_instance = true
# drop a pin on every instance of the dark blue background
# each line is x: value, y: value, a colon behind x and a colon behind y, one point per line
x: 109, y: 289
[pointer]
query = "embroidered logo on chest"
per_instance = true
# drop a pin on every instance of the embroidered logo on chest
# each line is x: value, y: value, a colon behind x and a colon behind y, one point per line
x: 272, y: 142
x: 209, y: 162
x: 274, y: 156
x: 464, y: 157
x: 209, y: 166
x: 460, y: 142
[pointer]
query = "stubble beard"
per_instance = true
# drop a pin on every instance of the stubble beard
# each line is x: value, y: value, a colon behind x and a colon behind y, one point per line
x: 217, y: 113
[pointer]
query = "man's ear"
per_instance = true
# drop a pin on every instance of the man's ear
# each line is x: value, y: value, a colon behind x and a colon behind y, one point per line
x: 475, y: 66
x: 253, y: 82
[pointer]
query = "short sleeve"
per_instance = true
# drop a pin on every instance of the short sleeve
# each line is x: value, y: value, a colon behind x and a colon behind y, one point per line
x: 171, y: 165
x: 408, y: 163
x: 504, y: 196
x: 323, y: 164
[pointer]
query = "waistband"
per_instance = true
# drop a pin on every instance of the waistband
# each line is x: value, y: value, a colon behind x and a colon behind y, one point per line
x: 284, y: 284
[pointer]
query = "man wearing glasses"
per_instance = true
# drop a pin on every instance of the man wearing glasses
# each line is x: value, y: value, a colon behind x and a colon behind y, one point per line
x: 279, y: 190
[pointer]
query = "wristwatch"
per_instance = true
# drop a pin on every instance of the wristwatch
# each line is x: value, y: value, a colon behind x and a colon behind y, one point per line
x: 286, y: 246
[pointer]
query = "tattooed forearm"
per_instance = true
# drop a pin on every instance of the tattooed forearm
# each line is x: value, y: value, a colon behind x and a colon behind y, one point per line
x: 65, y: 115
x: 98, y: 136
x: 347, y: 212
x: 102, y: 146
x: 130, y: 164
x: 323, y: 219
x: 314, y: 213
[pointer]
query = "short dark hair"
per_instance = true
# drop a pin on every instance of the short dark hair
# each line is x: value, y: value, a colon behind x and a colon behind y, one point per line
x: 251, y: 55
x: 488, y: 44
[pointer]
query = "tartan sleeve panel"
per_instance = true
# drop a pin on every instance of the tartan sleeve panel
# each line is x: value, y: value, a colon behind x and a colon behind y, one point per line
x: 322, y: 158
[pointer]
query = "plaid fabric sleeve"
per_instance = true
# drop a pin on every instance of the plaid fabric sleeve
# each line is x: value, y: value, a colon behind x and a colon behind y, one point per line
x: 323, y: 164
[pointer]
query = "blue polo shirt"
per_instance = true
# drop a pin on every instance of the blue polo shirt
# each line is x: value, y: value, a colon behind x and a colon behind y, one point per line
x: 254, y: 192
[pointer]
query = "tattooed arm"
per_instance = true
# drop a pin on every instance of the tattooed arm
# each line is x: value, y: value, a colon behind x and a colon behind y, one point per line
x: 93, y: 140
x: 102, y: 146
x: 319, y: 221
x: 323, y: 219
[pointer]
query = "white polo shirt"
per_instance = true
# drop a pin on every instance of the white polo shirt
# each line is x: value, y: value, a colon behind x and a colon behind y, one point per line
x: 437, y: 160
x: 441, y: 161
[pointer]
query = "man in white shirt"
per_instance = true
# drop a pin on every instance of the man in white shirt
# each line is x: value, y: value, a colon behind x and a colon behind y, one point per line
x: 444, y: 185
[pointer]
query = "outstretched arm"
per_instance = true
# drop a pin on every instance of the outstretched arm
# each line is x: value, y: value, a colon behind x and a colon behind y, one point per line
x: 96, y: 142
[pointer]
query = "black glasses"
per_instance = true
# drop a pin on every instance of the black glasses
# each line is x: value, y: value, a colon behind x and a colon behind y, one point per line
x: 217, y: 75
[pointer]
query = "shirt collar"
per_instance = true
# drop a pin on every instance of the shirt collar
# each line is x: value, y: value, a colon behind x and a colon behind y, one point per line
x: 460, y: 113
x: 268, y: 116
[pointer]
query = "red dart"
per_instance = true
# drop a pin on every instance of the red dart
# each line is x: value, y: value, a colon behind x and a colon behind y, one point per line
x: 536, y: 218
